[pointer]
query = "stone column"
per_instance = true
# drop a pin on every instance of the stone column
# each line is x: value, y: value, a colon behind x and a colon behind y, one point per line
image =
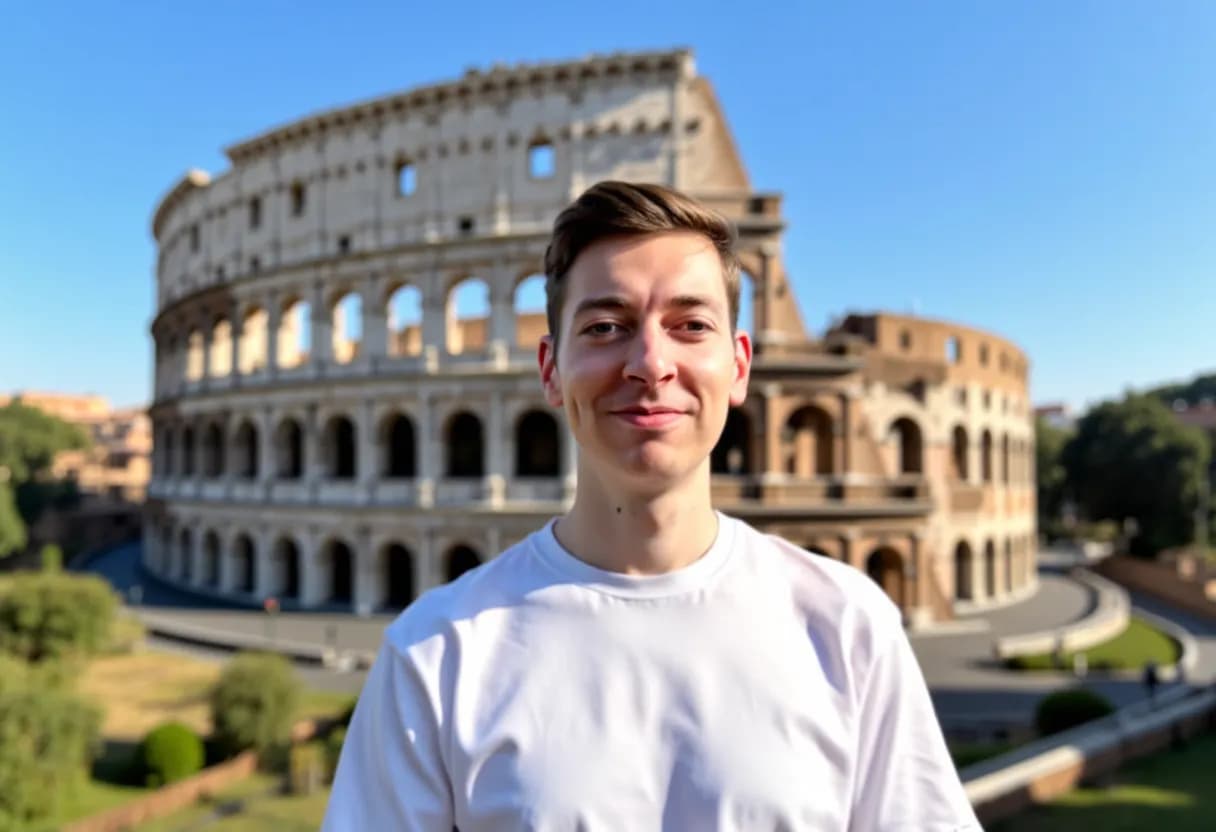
x: 236, y: 324
x: 428, y: 452
x: 321, y: 349
x: 769, y: 459
x: 366, y: 447
x: 266, y: 461
x: 844, y: 461
x: 312, y: 573
x: 265, y: 581
x: 274, y: 319
x: 367, y: 591
x: 502, y: 316
x: 313, y: 463
x: 374, y: 346
x: 208, y: 337
x: 496, y: 464
x: 434, y: 317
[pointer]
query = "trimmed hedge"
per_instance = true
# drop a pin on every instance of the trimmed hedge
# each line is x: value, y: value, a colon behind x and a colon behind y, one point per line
x: 1069, y: 708
x: 253, y: 704
x: 169, y: 753
x: 45, y: 616
x: 48, y: 740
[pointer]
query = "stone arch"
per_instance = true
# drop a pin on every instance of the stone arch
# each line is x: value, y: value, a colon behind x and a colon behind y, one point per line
x: 733, y: 452
x: 537, y: 445
x: 808, y: 440
x: 287, y: 562
x: 165, y: 564
x: 404, y: 315
x: 1011, y: 575
x: 464, y: 445
x: 253, y: 340
x: 398, y: 439
x: 219, y: 363
x: 910, y: 449
x: 244, y: 562
x: 964, y: 572
x: 211, y: 559
x: 339, y: 448
x: 467, y: 313
x: 245, y: 450
x: 213, y: 450
x: 959, y: 468
x: 990, y: 569
x: 460, y: 558
x: 338, y: 561
x: 195, y: 347
x: 169, y: 456
x: 886, y: 567
x: 398, y: 575
x: 188, y: 451
x: 529, y: 304
x: 289, y: 449
x: 346, y: 318
x: 185, y: 555
x: 986, y: 456
x: 293, y: 336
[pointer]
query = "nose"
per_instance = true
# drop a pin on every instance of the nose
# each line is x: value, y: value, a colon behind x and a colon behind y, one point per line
x: 649, y: 360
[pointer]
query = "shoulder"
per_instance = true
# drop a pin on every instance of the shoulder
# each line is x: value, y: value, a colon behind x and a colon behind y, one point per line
x: 439, y: 613
x: 837, y: 601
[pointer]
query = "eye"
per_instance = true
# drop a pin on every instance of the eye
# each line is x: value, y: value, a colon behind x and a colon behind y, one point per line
x: 602, y: 328
x: 697, y: 326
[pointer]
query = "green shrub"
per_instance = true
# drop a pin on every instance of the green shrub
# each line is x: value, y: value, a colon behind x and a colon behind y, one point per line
x: 48, y: 740
x: 333, y: 750
x: 306, y: 768
x: 52, y: 558
x: 51, y: 616
x: 169, y: 753
x: 254, y: 702
x: 17, y: 675
x: 1069, y: 708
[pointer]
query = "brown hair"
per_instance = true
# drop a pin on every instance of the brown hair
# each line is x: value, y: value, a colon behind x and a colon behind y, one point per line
x: 616, y: 209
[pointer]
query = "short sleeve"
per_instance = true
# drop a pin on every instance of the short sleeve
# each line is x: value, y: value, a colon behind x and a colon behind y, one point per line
x: 905, y: 778
x: 391, y: 774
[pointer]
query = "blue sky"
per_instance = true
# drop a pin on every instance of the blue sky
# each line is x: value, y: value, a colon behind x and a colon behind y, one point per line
x: 1045, y: 170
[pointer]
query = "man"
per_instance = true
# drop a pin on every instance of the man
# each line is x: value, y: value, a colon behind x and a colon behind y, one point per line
x: 644, y: 662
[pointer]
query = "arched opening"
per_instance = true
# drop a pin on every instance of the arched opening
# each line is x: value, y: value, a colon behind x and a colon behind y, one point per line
x: 1005, y: 459
x: 807, y: 441
x: 468, y: 316
x: 213, y: 451
x: 990, y: 569
x: 188, y: 451
x: 247, y: 451
x: 211, y: 560
x: 463, y: 439
x: 747, y: 303
x: 165, y: 563
x: 220, y: 363
x: 195, y: 347
x: 289, y: 450
x: 346, y: 317
x: 170, y: 452
x: 398, y: 576
x: 341, y: 572
x: 954, y: 350
x: 185, y: 556
x: 253, y: 340
x: 405, y: 322
x: 958, y: 457
x: 460, y: 559
x: 964, y: 575
x: 1012, y: 580
x: 537, y: 453
x: 886, y: 568
x: 732, y: 454
x: 986, y: 456
x: 340, y: 448
x: 397, y: 439
x: 530, y: 322
x: 287, y: 555
x: 244, y: 561
x: 294, y: 335
x: 909, y: 447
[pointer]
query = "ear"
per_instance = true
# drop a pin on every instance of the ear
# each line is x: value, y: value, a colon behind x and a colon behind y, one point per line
x: 550, y: 379
x: 743, y: 368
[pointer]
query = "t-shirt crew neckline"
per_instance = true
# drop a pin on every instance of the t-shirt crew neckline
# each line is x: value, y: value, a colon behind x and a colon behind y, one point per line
x: 686, y: 579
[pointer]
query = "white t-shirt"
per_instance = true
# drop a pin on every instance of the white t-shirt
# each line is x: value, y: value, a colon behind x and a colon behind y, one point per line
x: 760, y: 688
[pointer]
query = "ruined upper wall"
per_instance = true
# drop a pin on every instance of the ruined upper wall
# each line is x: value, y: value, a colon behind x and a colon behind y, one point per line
x: 331, y: 184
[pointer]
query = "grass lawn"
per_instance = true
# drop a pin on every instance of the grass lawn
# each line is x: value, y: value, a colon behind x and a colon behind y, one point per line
x: 251, y: 806
x: 1130, y: 650
x: 1173, y: 791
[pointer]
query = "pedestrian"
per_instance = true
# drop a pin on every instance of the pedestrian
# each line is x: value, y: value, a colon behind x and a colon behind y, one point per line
x: 1151, y: 680
x: 645, y: 662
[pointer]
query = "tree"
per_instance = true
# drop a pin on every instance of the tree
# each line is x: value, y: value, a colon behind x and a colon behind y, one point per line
x: 12, y: 529
x: 1133, y: 460
x: 1049, y: 442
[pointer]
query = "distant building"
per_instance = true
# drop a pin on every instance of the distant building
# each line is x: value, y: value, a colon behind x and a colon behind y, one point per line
x: 1057, y: 415
x: 1201, y: 415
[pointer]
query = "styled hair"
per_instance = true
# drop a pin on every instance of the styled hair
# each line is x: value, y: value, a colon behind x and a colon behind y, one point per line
x: 627, y: 209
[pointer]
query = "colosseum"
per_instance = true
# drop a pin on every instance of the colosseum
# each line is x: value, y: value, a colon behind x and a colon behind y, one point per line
x: 347, y: 411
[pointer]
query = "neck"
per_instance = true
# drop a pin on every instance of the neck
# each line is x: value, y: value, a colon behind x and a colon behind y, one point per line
x: 618, y: 530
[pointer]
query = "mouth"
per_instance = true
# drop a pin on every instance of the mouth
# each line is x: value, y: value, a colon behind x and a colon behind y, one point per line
x: 648, y: 417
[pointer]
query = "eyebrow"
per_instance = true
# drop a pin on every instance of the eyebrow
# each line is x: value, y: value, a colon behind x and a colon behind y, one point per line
x: 617, y: 303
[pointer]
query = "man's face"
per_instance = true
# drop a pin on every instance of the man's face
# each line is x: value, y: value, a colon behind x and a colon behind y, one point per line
x: 646, y: 367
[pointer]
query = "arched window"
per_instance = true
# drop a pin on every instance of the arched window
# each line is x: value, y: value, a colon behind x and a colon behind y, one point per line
x: 468, y: 317
x: 405, y: 321
x: 287, y: 559
x: 465, y: 457
x: 346, y: 318
x: 960, y: 454
x: 247, y: 451
x: 398, y: 576
x: 460, y: 559
x: 910, y: 449
x: 340, y: 448
x: 732, y: 454
x: 885, y: 567
x: 399, y: 445
x: 990, y: 569
x: 530, y: 322
x: 213, y: 451
x: 808, y: 442
x: 211, y: 560
x: 986, y: 456
x: 293, y: 337
x: 341, y: 572
x: 964, y: 567
x: 537, y: 451
x: 245, y: 562
x: 289, y: 450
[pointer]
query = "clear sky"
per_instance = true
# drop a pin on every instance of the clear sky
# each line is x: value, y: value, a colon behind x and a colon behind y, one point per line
x: 1046, y: 170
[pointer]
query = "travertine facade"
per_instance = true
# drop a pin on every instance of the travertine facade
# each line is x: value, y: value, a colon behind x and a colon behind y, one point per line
x: 335, y: 426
